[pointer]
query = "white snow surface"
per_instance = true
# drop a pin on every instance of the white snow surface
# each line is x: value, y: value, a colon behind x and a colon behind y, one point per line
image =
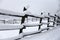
x: 10, y: 26
x: 53, y: 34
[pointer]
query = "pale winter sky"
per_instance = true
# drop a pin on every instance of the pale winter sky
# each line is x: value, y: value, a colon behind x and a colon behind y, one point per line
x: 35, y: 6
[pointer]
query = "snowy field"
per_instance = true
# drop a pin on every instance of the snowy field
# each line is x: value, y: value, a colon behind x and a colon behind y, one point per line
x: 8, y: 34
x: 53, y: 34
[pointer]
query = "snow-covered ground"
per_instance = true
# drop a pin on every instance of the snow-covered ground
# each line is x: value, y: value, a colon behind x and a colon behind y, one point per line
x: 8, y: 34
x: 53, y: 34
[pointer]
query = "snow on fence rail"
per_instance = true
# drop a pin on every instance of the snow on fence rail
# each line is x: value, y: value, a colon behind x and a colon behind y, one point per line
x: 4, y: 27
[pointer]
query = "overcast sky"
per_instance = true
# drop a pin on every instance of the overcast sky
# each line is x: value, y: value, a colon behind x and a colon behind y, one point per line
x: 35, y: 6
